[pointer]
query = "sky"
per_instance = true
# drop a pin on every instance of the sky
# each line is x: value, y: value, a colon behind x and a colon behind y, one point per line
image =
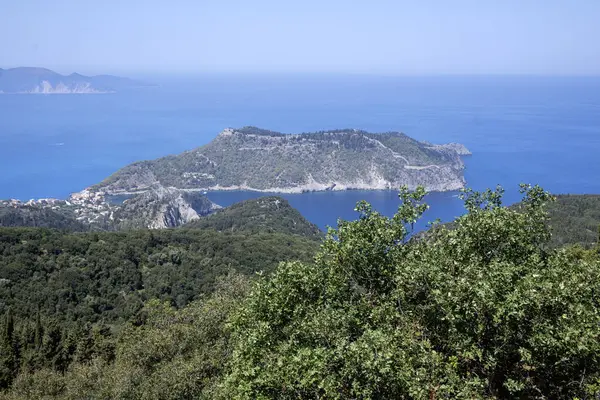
x: 397, y: 37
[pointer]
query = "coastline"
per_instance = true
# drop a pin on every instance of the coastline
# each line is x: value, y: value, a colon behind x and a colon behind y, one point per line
x: 309, y: 188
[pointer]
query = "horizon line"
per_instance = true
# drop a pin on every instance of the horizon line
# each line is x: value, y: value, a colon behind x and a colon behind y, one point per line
x: 111, y: 71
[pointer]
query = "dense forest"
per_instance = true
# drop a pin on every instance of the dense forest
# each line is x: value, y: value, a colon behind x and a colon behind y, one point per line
x: 109, y: 275
x: 575, y: 219
x: 39, y: 217
x: 266, y: 214
x: 489, y: 307
x: 66, y: 295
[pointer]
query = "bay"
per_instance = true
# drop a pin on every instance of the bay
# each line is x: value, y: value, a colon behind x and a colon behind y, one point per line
x: 540, y: 130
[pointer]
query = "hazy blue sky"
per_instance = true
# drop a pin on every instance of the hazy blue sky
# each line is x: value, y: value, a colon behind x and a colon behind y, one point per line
x: 363, y: 36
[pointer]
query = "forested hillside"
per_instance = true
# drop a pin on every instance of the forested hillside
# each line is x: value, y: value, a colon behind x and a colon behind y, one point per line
x: 109, y: 275
x: 575, y: 219
x: 39, y: 217
x: 65, y: 295
x: 484, y: 309
x: 265, y: 214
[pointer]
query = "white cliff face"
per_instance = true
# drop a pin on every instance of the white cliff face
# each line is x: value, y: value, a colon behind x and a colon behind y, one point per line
x: 165, y: 208
x: 458, y: 148
x: 46, y: 88
x: 175, y: 213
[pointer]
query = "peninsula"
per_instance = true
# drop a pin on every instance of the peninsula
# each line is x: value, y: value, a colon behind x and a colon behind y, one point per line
x: 30, y: 80
x: 260, y: 160
x: 167, y: 192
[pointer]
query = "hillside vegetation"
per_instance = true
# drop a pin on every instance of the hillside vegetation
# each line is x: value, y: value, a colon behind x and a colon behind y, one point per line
x: 575, y: 219
x: 485, y: 309
x: 109, y: 275
x: 265, y: 214
x: 39, y: 217
x: 66, y: 295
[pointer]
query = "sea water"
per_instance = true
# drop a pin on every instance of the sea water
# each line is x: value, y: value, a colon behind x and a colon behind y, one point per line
x: 540, y: 130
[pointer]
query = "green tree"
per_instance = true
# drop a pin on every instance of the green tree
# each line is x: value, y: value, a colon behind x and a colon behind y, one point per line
x: 8, y: 351
x: 9, y: 326
x: 483, y: 310
x: 166, y: 354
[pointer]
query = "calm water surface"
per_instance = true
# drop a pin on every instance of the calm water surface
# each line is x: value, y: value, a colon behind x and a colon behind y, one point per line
x: 520, y: 129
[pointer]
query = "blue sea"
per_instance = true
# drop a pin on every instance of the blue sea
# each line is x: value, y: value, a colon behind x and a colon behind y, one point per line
x: 540, y: 130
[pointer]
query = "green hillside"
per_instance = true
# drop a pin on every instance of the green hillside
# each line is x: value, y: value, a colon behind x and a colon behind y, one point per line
x: 575, y: 219
x: 487, y: 308
x: 265, y: 214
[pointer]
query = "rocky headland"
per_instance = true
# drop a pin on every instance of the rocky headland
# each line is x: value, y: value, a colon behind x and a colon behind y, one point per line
x: 256, y: 159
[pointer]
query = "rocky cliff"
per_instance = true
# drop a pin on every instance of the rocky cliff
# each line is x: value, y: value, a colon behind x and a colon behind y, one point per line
x: 156, y: 208
x: 256, y: 159
x: 163, y: 208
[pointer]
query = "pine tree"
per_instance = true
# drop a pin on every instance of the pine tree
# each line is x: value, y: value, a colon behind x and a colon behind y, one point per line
x: 9, y: 326
x: 8, y: 359
x: 39, y: 331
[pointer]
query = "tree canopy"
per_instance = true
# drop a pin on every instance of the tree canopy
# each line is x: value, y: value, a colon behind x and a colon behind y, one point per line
x: 484, y: 310
x: 488, y: 309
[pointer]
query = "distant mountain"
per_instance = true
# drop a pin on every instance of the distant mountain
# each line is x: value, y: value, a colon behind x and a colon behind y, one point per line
x: 256, y: 159
x: 44, y: 81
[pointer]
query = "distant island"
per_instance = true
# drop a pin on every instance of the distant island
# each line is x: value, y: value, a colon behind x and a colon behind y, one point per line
x: 256, y: 159
x: 30, y: 80
x: 169, y: 191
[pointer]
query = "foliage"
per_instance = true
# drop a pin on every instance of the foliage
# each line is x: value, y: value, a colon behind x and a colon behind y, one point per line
x: 69, y: 293
x: 109, y: 275
x: 171, y: 354
x: 484, y: 310
x: 575, y: 219
x: 266, y: 214
x: 39, y: 217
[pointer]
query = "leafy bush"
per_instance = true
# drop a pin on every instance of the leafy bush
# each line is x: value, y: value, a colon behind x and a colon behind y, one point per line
x: 484, y: 310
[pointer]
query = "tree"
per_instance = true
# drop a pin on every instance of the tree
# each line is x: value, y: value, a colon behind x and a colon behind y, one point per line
x: 9, y: 326
x: 482, y: 310
x: 39, y: 331
x: 8, y: 351
x: 167, y: 354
